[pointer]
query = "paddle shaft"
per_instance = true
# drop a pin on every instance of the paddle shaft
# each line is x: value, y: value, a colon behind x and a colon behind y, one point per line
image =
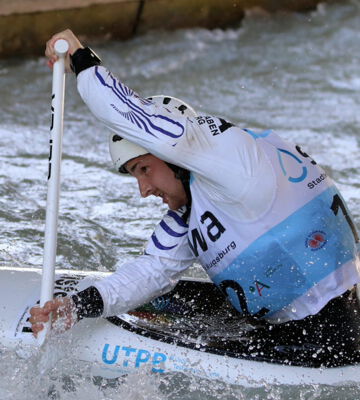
x: 53, y: 192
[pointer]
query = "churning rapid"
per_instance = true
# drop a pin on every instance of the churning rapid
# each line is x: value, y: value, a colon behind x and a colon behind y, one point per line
x: 297, y: 74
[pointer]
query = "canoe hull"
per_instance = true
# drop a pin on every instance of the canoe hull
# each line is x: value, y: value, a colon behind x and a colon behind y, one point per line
x: 114, y: 350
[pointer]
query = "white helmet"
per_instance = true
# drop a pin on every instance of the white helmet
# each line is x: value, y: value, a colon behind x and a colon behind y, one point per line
x: 122, y: 150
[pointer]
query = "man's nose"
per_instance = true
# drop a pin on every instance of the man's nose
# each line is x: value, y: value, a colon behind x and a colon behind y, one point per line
x: 145, y: 188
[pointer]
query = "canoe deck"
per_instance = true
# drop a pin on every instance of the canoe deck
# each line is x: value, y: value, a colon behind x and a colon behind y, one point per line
x: 196, y: 315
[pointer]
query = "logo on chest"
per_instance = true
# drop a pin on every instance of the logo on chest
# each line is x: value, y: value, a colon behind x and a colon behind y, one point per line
x: 214, y: 230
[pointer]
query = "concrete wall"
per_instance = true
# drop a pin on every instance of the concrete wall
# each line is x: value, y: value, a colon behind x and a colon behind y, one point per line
x: 25, y: 25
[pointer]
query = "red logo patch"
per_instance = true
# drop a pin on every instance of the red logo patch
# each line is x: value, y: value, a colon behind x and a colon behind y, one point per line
x: 316, y: 240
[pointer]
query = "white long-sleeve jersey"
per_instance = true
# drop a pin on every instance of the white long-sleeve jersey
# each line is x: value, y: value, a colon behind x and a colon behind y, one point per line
x: 266, y: 223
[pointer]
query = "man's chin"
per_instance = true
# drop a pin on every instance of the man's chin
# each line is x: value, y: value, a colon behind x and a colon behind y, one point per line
x: 172, y: 205
x: 175, y: 205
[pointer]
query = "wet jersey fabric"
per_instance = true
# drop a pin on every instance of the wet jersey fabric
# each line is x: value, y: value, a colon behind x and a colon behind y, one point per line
x: 267, y: 224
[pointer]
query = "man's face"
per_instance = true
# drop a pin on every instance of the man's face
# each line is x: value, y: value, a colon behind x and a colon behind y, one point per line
x: 156, y: 178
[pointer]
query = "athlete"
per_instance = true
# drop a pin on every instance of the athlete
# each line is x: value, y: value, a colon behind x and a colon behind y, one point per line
x: 262, y: 218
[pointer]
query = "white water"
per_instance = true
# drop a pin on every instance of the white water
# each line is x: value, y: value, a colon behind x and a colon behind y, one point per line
x: 297, y: 74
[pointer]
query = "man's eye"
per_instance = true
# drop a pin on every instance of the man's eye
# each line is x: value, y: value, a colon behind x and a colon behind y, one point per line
x: 144, y: 169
